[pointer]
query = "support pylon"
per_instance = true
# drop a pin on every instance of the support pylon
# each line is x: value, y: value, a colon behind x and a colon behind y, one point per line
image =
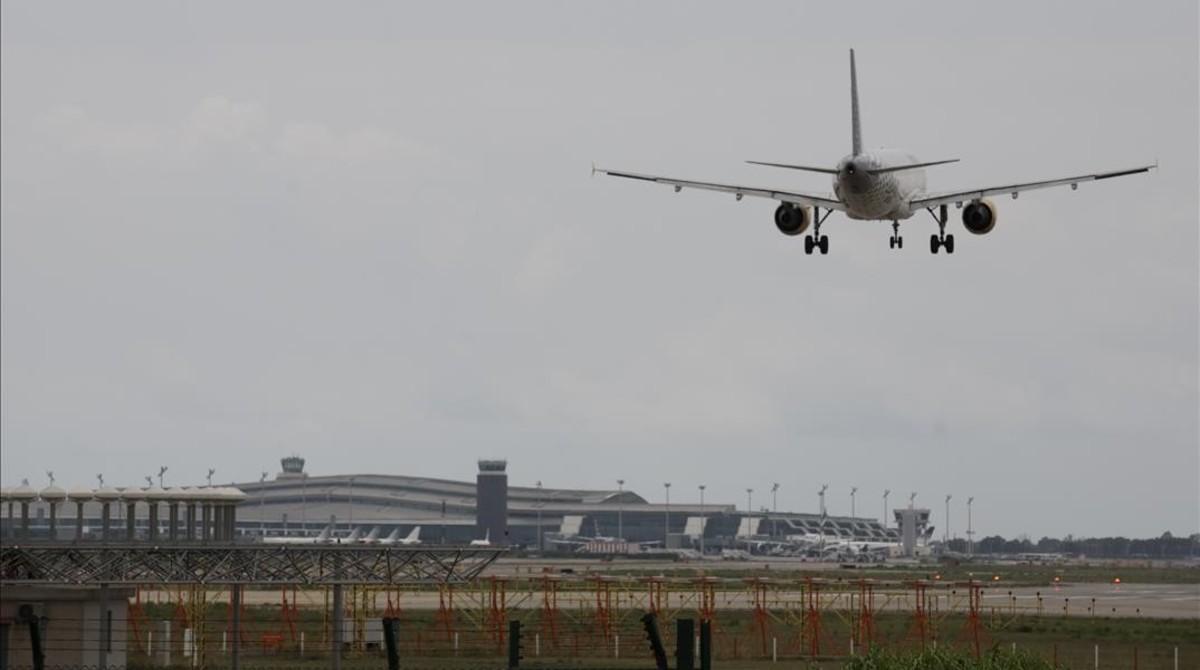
x: 973, y: 630
x: 549, y: 619
x: 445, y: 613
x: 758, y: 591
x: 812, y: 617
x: 920, y: 629
x: 866, y: 614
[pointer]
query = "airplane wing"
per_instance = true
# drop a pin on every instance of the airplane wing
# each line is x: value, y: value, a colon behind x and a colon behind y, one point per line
x: 1014, y: 189
x: 793, y: 197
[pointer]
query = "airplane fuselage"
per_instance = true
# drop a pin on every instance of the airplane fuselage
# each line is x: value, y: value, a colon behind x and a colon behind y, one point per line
x: 883, y: 196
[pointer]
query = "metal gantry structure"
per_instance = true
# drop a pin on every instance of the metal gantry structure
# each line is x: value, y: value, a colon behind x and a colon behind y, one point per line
x: 80, y: 564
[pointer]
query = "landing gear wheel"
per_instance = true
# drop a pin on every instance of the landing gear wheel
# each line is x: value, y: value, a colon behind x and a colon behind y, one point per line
x: 899, y: 242
x: 934, y: 243
x: 808, y: 244
x: 949, y: 244
x: 896, y: 242
x: 824, y: 244
x: 892, y: 242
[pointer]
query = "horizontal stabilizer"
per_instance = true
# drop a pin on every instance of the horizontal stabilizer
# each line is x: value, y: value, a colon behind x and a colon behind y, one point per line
x: 795, y: 167
x: 897, y: 168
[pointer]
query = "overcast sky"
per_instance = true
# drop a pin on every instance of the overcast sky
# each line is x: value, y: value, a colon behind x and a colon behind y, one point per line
x: 366, y: 234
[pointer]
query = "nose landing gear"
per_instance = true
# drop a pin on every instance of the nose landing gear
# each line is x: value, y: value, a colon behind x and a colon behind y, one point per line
x: 941, y: 239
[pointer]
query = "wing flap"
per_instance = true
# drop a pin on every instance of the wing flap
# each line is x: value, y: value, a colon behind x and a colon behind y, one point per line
x: 793, y: 197
x: 1014, y: 189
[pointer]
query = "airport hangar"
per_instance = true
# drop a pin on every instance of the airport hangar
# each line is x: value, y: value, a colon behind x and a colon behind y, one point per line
x: 297, y: 504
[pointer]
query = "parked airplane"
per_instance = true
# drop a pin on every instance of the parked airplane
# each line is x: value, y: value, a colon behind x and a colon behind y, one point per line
x: 413, y: 537
x: 485, y: 542
x: 882, y: 185
x: 323, y: 538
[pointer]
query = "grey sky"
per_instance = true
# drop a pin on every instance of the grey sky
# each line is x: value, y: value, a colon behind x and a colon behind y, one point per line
x: 366, y: 234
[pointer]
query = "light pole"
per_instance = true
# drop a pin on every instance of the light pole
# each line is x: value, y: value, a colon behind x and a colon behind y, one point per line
x: 946, y: 532
x: 749, y: 501
x: 821, y: 495
x: 702, y: 487
x: 211, y: 472
x: 775, y: 509
x: 886, y: 493
x: 303, y: 504
x: 667, y: 515
x: 162, y: 470
x: 539, y: 518
x: 912, y: 497
x: 262, y: 505
x: 970, y: 529
x: 350, y: 505
x: 853, y: 490
x: 620, y: 509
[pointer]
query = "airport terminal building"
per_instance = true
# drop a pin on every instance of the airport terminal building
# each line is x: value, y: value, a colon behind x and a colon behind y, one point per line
x: 451, y: 511
x: 296, y: 504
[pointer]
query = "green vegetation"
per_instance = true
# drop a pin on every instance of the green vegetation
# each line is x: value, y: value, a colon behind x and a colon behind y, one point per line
x: 941, y: 659
x: 1010, y: 574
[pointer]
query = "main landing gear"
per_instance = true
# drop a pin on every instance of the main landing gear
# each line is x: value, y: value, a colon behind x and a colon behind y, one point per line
x: 896, y: 242
x: 941, y: 239
x: 817, y: 240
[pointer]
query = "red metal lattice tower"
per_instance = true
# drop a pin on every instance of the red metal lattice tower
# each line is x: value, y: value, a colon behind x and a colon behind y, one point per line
x: 973, y: 629
x: 137, y: 617
x: 655, y: 592
x: 445, y: 613
x: 498, y: 609
x: 708, y: 601
x: 288, y: 612
x: 812, y: 617
x: 550, y: 608
x: 758, y: 587
x: 920, y: 625
x: 603, y: 617
x: 866, y: 614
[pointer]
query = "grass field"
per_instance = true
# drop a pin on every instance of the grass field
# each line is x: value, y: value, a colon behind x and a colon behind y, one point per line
x: 740, y: 641
x: 1009, y: 573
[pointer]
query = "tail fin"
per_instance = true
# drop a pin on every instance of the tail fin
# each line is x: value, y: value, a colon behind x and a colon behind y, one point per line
x: 414, y: 536
x: 856, y: 127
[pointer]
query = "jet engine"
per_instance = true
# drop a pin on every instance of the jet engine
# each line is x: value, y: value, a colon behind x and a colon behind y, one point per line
x: 792, y: 220
x: 979, y: 216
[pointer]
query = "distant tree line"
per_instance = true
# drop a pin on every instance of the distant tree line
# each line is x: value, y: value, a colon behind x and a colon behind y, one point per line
x: 1164, y: 546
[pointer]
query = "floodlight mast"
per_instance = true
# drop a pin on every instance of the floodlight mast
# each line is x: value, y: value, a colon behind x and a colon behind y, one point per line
x: 667, y: 515
x: 853, y: 490
x: 162, y: 470
x: 211, y: 472
x: 702, y: 487
x: 620, y: 510
x: 970, y: 529
x: 775, y: 509
x: 886, y: 493
x: 946, y: 530
x: 262, y: 505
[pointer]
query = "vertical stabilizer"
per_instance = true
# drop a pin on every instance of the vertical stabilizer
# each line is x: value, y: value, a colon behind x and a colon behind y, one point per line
x: 855, y: 127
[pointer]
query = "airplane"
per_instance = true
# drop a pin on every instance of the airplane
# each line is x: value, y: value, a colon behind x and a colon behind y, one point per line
x: 485, y: 542
x: 884, y: 185
x: 412, y: 538
x: 323, y: 538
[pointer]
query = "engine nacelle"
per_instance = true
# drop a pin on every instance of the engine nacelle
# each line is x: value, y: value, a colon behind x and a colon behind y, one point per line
x: 979, y: 216
x: 792, y: 220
